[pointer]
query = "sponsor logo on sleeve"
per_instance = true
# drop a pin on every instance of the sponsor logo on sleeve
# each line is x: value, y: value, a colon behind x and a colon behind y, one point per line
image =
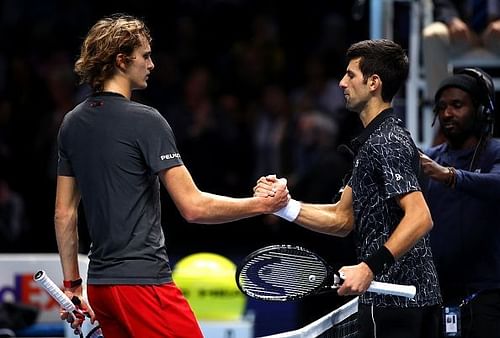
x: 169, y: 156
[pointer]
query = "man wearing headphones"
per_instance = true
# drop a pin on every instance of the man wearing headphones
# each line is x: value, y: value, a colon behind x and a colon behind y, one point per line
x: 463, y: 194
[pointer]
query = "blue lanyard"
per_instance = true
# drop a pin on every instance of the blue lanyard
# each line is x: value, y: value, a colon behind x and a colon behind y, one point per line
x: 469, y: 298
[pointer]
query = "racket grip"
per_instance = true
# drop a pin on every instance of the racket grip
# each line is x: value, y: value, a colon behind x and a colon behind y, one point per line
x: 407, y: 291
x: 46, y: 283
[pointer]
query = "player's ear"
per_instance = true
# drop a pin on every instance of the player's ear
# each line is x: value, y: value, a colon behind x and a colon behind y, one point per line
x: 374, y: 82
x: 121, y: 61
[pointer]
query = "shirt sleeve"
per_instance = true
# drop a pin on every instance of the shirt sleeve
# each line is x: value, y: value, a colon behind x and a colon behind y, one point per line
x: 64, y: 167
x: 396, y: 162
x: 158, y: 144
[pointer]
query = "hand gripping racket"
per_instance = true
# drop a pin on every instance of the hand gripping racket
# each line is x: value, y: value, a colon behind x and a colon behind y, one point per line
x: 287, y: 272
x: 53, y: 290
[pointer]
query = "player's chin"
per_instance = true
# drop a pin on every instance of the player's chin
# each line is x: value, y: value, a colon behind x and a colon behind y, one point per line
x: 142, y: 85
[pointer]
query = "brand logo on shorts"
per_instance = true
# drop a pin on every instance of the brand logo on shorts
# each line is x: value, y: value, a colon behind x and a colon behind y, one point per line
x: 169, y: 156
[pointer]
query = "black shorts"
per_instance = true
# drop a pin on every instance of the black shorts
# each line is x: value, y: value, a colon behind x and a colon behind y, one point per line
x: 480, y: 317
x: 396, y: 322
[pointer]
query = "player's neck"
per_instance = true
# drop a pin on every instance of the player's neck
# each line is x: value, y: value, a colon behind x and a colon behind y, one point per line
x: 117, y: 85
x: 372, y: 109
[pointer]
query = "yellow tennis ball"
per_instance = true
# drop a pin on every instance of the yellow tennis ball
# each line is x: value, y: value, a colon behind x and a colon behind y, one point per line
x: 208, y: 283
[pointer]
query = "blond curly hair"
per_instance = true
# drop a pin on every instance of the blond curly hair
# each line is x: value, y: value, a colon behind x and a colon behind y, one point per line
x: 110, y: 36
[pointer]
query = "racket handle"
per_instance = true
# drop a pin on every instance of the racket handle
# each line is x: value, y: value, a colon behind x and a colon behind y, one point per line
x: 408, y: 291
x: 45, y: 282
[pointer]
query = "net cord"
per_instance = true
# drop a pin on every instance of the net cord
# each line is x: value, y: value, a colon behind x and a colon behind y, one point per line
x: 316, y: 328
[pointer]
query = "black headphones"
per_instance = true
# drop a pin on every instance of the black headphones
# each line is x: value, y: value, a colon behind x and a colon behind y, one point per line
x: 486, y: 104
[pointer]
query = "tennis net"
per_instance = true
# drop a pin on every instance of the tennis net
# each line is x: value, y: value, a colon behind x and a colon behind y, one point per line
x: 340, y: 323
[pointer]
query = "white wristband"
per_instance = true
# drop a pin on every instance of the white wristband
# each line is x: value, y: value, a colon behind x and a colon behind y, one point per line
x: 290, y: 212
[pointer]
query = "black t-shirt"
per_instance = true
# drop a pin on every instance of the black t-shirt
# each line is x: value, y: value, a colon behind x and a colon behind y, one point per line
x: 386, y: 166
x: 114, y: 148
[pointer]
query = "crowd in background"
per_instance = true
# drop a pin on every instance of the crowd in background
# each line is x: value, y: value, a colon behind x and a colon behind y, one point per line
x: 249, y: 87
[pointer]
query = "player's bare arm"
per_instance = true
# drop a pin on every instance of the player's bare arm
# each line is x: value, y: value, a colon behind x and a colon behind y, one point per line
x: 332, y: 219
x: 415, y: 224
x: 66, y: 228
x: 65, y: 220
x: 197, y: 206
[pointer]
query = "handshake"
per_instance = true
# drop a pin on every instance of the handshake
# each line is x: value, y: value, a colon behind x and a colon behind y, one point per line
x: 267, y: 186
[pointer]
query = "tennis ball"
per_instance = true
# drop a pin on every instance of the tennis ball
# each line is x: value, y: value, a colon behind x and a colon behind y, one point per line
x: 208, y: 283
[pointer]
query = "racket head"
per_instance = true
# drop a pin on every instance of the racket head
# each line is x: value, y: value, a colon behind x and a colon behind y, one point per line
x: 282, y: 272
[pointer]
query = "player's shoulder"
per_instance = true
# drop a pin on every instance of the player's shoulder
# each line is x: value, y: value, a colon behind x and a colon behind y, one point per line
x: 145, y: 114
x: 143, y: 108
x: 72, y: 114
x: 392, y: 133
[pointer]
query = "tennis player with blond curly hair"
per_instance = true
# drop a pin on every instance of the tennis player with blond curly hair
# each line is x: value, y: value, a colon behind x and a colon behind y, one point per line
x: 113, y: 153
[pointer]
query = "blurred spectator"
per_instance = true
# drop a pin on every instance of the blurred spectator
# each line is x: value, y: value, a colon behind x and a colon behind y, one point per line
x: 272, y: 119
x: 457, y: 29
x: 259, y: 59
x: 5, y: 130
x: 318, y: 168
x: 202, y: 130
x: 14, y: 226
x: 319, y: 91
x: 60, y: 82
x: 239, y: 166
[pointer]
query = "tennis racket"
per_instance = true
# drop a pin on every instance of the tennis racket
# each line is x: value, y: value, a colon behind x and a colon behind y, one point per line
x: 286, y: 272
x: 42, y: 279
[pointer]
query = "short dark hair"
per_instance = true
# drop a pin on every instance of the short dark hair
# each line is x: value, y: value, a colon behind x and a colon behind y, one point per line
x: 385, y: 58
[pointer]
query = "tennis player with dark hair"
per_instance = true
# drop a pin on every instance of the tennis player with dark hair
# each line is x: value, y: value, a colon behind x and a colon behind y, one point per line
x: 382, y: 202
x: 463, y: 193
x: 113, y: 153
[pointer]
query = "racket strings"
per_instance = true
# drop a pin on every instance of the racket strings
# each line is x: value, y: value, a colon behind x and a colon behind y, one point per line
x: 282, y: 274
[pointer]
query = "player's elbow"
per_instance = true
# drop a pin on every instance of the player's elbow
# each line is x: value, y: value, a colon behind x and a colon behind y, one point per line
x: 342, y: 227
x: 344, y: 230
x: 192, y: 208
x: 425, y: 222
x: 63, y: 215
x: 429, y: 223
x: 192, y: 214
x: 198, y: 211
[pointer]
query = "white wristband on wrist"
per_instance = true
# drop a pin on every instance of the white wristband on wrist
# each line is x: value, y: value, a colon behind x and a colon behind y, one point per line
x: 290, y: 212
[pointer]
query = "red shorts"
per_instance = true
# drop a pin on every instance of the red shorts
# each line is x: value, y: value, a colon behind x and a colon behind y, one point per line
x: 142, y: 311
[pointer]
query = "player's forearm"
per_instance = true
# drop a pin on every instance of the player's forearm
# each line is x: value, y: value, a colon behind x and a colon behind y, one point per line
x: 67, y: 243
x: 325, y: 218
x: 214, y: 209
x: 415, y: 224
x: 197, y: 206
x: 409, y: 231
